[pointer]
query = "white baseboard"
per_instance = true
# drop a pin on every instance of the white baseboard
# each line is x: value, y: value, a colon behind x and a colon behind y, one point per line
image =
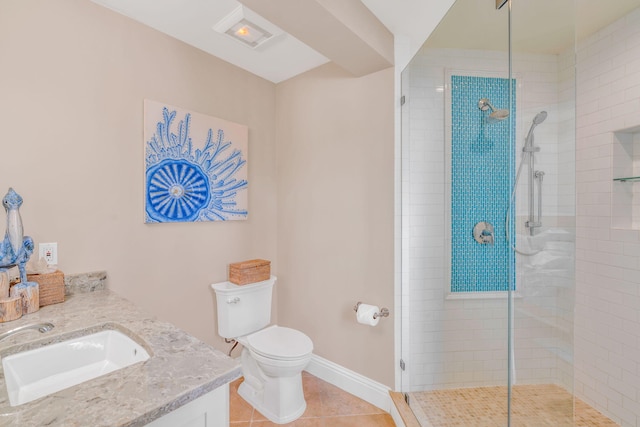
x: 397, y: 418
x: 352, y: 382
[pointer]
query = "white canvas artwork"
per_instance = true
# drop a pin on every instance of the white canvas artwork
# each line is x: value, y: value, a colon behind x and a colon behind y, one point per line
x: 195, y: 166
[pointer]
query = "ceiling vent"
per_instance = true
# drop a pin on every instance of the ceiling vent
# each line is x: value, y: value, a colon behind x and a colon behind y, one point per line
x: 247, y: 27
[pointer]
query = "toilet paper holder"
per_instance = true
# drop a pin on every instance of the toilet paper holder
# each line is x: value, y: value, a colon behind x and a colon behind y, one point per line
x: 384, y: 312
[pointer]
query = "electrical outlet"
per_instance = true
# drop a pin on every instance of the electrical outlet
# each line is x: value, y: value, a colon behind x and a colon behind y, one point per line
x: 49, y: 251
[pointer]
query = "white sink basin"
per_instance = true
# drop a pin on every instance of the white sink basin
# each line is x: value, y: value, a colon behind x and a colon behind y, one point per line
x: 32, y: 374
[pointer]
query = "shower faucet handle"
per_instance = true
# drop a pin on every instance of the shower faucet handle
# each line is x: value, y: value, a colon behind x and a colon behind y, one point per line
x: 487, y: 236
x: 483, y: 233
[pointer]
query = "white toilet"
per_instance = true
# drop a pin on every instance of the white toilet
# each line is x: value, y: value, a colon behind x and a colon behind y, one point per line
x: 273, y: 357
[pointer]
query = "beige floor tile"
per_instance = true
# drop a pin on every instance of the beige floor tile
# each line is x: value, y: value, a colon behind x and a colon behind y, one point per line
x: 300, y: 422
x: 374, y: 420
x: 239, y: 409
x: 312, y: 388
x: 257, y: 416
x: 336, y: 401
x: 327, y: 406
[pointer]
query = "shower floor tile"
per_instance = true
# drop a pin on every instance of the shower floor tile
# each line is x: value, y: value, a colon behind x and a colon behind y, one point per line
x: 532, y: 406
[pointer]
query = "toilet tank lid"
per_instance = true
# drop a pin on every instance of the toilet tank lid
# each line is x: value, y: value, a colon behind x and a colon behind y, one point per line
x: 280, y: 342
x: 228, y: 288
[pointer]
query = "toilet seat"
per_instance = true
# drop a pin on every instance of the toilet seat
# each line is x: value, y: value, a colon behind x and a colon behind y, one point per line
x: 277, y: 342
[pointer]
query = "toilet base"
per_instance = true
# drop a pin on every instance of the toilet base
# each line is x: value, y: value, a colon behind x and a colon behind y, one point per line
x: 281, y: 400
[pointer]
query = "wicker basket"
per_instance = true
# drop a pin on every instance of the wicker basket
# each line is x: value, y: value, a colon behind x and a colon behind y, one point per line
x: 51, y: 287
x: 251, y: 271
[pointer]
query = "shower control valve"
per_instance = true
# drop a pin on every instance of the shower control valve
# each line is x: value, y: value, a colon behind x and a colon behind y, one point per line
x: 483, y: 233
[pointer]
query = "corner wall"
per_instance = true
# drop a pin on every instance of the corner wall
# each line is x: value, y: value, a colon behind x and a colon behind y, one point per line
x: 335, y: 151
x: 607, y: 334
x: 73, y: 79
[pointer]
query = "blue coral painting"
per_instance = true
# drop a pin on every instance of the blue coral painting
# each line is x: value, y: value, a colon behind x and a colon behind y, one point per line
x: 196, y: 166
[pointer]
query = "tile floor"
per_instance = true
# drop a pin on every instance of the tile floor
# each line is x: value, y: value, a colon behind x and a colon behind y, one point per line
x: 327, y: 406
x: 545, y: 405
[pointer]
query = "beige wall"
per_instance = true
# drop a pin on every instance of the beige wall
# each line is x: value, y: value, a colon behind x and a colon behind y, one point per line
x: 73, y: 77
x: 335, y: 213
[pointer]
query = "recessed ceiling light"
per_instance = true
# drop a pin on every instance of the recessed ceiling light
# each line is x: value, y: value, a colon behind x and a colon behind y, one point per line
x: 247, y: 27
x: 249, y: 33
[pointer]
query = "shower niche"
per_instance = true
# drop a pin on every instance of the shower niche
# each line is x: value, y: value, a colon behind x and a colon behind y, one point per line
x: 625, y: 191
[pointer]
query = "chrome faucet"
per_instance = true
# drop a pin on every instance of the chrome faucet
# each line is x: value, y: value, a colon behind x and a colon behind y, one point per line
x: 41, y: 327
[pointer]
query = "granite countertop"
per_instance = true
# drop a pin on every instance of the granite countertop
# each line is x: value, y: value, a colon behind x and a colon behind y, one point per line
x: 181, y: 368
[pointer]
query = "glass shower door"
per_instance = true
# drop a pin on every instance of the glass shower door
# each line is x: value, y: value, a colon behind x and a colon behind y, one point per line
x: 543, y: 55
x: 458, y: 166
x: 488, y: 218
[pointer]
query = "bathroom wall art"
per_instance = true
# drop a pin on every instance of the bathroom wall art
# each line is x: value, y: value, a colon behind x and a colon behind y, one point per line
x: 195, y: 166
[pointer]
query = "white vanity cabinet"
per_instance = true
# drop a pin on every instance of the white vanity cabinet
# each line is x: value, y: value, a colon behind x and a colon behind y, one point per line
x: 209, y: 410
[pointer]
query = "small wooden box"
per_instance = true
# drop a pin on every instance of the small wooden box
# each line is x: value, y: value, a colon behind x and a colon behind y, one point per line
x: 251, y: 271
x: 51, y: 287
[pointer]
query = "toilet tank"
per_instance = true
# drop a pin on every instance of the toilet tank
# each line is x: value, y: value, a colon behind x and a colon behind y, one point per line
x: 244, y: 309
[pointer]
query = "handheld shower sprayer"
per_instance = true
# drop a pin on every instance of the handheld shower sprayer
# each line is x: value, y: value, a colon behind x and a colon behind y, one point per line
x: 528, y: 153
x: 528, y: 142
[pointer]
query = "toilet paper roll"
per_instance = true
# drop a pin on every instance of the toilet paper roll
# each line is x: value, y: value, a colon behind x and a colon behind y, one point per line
x: 365, y: 314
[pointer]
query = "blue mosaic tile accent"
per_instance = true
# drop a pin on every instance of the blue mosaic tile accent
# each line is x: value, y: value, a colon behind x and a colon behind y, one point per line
x: 482, y: 173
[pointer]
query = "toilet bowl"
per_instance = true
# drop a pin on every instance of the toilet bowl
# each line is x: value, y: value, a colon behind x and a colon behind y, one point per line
x: 272, y: 363
x: 272, y: 358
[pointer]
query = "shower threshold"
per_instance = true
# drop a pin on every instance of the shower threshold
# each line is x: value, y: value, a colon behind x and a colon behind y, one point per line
x: 532, y: 406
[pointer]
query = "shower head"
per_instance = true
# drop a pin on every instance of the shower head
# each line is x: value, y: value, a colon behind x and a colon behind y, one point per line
x: 496, y: 115
x: 540, y: 117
